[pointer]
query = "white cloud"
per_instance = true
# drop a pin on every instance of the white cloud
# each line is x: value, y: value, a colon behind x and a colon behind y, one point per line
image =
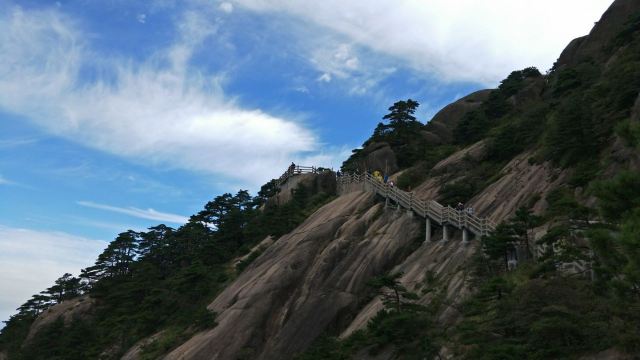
x: 464, y: 40
x: 161, y: 111
x: 325, y: 77
x: 226, y: 7
x: 30, y: 261
x: 4, y: 181
x: 141, y: 18
x: 149, y: 214
x: 339, y: 61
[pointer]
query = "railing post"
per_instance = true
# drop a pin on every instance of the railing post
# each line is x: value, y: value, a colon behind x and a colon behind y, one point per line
x: 427, y: 229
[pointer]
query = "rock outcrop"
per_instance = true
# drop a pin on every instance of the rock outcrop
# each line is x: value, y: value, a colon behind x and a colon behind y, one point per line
x: 321, y: 182
x: 68, y: 310
x: 378, y: 156
x: 308, y: 281
x: 597, y: 44
x: 444, y: 121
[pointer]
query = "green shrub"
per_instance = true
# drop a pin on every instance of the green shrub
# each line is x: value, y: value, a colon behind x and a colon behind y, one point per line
x: 471, y: 128
x: 413, y: 177
x: 459, y: 191
x: 619, y: 196
x: 629, y: 131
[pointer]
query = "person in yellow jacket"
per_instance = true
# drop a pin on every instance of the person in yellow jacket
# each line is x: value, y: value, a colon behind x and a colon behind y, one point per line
x: 378, y: 175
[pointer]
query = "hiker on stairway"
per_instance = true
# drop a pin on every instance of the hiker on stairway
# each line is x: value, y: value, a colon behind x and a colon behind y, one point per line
x: 460, y: 206
x: 377, y: 175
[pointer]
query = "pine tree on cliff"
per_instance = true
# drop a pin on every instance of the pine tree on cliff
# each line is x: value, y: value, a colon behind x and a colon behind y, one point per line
x: 395, y: 294
x: 401, y: 113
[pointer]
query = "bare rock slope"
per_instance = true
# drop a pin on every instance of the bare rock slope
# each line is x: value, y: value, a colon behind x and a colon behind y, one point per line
x: 314, y: 279
x: 309, y: 280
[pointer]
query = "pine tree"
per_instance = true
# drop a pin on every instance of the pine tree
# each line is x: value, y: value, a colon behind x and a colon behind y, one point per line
x: 401, y: 113
x: 395, y: 294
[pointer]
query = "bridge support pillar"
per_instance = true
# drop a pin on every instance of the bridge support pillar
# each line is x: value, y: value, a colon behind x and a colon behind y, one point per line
x: 465, y: 236
x: 445, y: 233
x: 386, y: 202
x: 427, y: 230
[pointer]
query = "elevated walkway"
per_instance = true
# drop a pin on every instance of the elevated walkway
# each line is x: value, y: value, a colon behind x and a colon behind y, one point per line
x: 433, y: 212
x: 294, y: 170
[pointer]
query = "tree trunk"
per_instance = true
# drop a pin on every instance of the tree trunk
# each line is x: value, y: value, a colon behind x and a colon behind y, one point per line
x: 397, y: 299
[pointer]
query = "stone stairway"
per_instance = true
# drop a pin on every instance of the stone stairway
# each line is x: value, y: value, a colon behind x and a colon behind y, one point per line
x: 431, y: 210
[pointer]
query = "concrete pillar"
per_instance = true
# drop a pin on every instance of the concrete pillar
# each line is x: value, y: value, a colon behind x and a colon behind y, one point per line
x: 427, y: 230
x: 386, y: 202
x: 445, y: 233
x: 465, y: 236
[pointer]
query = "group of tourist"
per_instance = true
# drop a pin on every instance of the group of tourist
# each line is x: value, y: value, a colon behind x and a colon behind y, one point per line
x: 460, y: 207
x: 383, y: 178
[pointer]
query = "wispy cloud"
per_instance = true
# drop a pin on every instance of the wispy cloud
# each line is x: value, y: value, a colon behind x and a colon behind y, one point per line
x: 163, y: 110
x: 149, y: 214
x: 465, y: 40
x: 10, y: 143
x: 4, y: 181
x: 31, y: 260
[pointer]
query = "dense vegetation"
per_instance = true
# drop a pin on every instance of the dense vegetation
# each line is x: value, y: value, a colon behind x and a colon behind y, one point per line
x: 158, y: 281
x: 407, y: 326
x: 540, y: 311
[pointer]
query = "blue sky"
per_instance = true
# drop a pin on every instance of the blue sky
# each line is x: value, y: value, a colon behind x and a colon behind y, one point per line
x: 120, y: 115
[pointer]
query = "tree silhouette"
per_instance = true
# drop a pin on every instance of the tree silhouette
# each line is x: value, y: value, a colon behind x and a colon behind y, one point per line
x: 401, y: 113
x: 393, y: 293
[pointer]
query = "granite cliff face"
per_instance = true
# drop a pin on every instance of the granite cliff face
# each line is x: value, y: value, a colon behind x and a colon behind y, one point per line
x: 314, y: 279
x: 308, y: 281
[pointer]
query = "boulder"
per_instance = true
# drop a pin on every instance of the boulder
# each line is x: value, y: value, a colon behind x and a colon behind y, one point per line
x: 321, y: 182
x: 383, y: 159
x: 445, y: 121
